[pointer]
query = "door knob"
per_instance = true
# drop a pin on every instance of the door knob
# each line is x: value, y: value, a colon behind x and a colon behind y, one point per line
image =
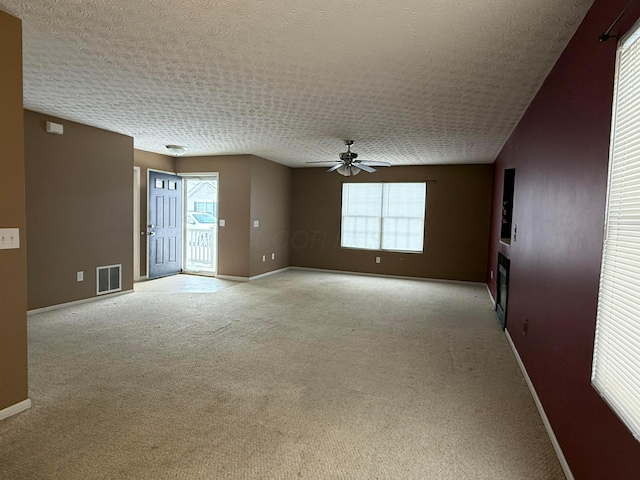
x: 151, y: 234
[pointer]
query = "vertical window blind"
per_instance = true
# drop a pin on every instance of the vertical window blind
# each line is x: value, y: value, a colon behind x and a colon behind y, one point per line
x: 383, y: 216
x: 616, y: 355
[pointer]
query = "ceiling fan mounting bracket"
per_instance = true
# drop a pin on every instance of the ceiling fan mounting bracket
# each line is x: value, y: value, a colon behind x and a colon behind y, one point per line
x: 349, y: 166
x: 348, y: 156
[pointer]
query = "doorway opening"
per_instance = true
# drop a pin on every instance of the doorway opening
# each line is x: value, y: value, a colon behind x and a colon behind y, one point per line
x: 201, y: 225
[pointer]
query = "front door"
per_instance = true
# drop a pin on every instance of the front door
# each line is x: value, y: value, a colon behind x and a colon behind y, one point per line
x: 165, y: 224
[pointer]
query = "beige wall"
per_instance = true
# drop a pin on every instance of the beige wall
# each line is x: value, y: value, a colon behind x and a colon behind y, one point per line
x: 456, y: 229
x: 13, y: 271
x: 234, y: 206
x: 146, y: 161
x: 270, y: 205
x: 250, y: 188
x: 79, y: 192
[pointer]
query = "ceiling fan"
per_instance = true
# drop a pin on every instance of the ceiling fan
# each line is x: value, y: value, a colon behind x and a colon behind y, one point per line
x: 348, y: 164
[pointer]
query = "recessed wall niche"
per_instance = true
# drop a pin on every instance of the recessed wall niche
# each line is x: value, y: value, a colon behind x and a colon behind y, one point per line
x: 506, y: 230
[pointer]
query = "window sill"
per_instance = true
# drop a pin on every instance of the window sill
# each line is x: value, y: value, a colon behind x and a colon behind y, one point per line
x: 381, y: 250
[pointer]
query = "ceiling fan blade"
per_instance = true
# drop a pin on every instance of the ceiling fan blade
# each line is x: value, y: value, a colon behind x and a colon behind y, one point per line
x: 364, y: 167
x: 335, y: 167
x: 374, y: 163
x: 323, y: 161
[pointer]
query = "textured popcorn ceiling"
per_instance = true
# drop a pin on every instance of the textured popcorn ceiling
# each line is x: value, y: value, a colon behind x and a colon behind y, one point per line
x: 411, y: 81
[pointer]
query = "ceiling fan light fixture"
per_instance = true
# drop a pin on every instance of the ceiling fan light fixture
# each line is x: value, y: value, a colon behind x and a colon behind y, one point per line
x: 348, y: 170
x: 176, y: 150
x: 348, y: 166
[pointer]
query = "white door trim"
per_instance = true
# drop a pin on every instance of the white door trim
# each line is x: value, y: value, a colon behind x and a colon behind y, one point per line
x: 199, y: 176
x: 136, y: 224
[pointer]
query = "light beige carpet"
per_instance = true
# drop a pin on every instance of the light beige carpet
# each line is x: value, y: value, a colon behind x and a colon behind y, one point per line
x: 184, y: 283
x: 298, y: 375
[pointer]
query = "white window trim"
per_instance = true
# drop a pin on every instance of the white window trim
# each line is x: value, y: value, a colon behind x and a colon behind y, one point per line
x: 616, y: 359
x: 381, y: 221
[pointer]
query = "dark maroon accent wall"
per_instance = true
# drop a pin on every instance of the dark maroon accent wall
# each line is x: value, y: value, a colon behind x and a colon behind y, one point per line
x: 560, y: 152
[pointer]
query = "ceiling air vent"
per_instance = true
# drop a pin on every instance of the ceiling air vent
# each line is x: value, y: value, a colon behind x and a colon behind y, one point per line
x: 109, y: 279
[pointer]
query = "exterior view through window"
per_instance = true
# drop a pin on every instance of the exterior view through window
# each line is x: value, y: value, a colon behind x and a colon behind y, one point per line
x: 383, y: 216
x: 616, y: 355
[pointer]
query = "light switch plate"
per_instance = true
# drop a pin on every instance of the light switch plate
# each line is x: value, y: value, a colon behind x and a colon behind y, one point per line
x: 9, y: 238
x: 256, y: 223
x: 222, y: 223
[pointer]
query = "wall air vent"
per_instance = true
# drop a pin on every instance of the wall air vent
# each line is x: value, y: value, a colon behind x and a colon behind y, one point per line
x: 109, y: 279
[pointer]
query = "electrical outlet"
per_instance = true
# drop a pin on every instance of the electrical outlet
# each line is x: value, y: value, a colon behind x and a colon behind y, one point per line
x: 273, y: 256
x: 256, y: 223
x: 9, y: 238
x: 80, y: 276
x: 377, y: 259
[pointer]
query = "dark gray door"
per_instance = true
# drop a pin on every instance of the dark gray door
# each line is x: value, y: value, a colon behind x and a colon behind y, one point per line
x: 165, y: 224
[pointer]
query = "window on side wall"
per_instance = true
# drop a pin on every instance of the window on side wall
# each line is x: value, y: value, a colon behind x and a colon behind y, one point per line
x: 383, y: 216
x: 616, y: 354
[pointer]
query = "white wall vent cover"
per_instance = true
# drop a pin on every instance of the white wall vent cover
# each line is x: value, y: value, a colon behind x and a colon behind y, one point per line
x: 109, y: 279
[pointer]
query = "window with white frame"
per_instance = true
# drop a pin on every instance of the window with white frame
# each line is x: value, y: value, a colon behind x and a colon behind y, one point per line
x: 203, y: 206
x: 383, y: 216
x: 616, y: 354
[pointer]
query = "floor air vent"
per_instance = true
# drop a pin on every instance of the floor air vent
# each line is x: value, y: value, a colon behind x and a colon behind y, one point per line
x: 109, y: 279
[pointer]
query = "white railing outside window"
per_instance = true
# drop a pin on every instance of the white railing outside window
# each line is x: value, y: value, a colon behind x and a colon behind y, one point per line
x: 200, y: 247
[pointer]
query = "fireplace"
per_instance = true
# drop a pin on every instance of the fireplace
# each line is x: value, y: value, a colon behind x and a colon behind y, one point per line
x: 502, y: 289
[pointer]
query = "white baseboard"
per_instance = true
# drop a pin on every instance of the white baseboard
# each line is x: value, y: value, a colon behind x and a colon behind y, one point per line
x: 233, y: 278
x: 382, y: 275
x: 266, y: 274
x: 255, y: 277
x: 77, y: 302
x: 545, y: 420
x: 15, y: 409
x: 493, y: 302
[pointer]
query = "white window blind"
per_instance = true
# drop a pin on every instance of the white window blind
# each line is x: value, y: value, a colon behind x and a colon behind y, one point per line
x: 616, y: 355
x: 383, y: 216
